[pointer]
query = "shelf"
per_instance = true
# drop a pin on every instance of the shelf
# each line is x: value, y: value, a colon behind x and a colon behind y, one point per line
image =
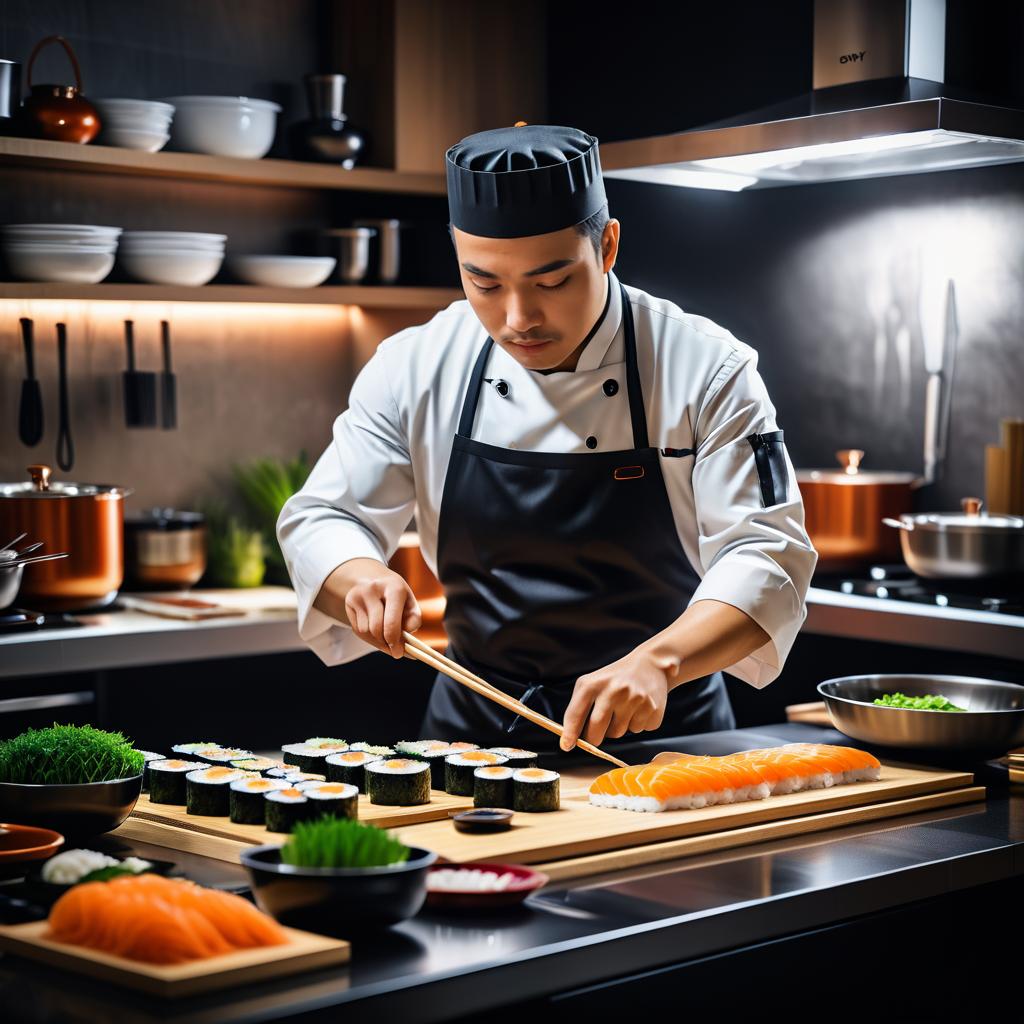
x: 380, y: 297
x: 41, y: 153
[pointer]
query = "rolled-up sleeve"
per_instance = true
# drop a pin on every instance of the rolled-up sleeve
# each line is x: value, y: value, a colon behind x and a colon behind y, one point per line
x: 754, y: 556
x: 356, y: 502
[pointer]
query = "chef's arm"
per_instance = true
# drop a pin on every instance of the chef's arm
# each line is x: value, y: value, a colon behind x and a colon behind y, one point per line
x: 630, y: 694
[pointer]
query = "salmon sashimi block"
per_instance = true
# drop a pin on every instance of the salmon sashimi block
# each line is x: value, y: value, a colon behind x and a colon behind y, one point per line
x: 160, y: 920
x: 701, y: 780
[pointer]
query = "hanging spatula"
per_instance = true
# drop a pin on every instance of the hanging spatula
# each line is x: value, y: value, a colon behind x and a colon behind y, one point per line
x: 139, y: 387
x: 168, y: 383
x: 30, y: 413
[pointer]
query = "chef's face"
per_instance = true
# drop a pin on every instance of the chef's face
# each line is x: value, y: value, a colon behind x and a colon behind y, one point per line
x: 538, y: 296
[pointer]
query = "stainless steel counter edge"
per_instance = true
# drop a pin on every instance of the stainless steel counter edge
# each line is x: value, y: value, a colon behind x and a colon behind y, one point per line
x: 128, y: 639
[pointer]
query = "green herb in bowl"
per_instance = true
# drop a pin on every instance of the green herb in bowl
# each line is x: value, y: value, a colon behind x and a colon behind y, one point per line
x: 341, y: 843
x: 929, y: 702
x: 68, y: 755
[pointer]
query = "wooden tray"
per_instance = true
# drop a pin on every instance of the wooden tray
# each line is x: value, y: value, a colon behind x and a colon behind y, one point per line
x: 579, y: 828
x: 304, y: 953
x: 256, y: 835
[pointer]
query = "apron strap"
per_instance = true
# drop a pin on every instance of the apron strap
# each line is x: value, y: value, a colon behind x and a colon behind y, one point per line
x: 633, y: 388
x: 634, y: 391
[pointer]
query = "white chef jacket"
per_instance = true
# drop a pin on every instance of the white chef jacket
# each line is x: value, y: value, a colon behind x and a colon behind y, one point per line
x: 389, y: 455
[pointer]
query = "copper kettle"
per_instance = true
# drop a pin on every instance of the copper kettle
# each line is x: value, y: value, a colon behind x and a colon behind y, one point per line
x: 59, y: 112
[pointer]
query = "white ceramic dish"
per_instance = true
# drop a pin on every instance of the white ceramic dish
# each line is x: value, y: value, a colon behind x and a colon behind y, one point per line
x: 68, y: 267
x: 70, y: 247
x: 177, y: 237
x: 146, y: 141
x: 190, y: 269
x: 151, y: 108
x: 61, y: 229
x: 282, y: 271
x: 224, y: 125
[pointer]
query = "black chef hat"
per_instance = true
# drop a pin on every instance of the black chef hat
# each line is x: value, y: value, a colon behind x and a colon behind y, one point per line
x: 526, y: 180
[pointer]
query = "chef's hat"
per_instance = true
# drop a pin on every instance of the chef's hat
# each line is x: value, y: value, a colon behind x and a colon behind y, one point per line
x: 526, y: 180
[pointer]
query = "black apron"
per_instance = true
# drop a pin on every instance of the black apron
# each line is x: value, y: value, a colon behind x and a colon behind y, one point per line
x: 555, y: 565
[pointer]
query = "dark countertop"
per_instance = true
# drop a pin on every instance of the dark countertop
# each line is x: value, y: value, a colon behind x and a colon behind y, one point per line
x: 581, y: 933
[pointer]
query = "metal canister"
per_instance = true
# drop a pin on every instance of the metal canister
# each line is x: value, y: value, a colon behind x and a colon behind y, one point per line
x: 165, y: 549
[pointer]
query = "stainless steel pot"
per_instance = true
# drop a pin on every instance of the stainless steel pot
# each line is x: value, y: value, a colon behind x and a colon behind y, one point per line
x: 164, y: 549
x: 10, y: 579
x: 967, y: 545
x: 351, y: 248
x: 993, y: 721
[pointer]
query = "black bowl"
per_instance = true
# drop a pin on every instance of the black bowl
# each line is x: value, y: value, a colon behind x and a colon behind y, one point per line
x: 86, y: 809
x: 337, y: 901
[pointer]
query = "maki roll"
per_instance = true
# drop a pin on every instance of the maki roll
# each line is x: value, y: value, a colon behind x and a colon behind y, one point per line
x: 293, y: 778
x: 167, y: 780
x: 369, y: 748
x: 221, y: 755
x: 459, y: 768
x: 252, y: 763
x: 281, y: 770
x: 284, y: 808
x: 309, y: 755
x: 433, y: 752
x: 398, y: 782
x: 492, y: 786
x: 206, y: 790
x: 535, y: 789
x: 149, y: 756
x: 350, y: 767
x: 245, y: 799
x: 336, y: 799
x: 517, y: 758
x: 188, y: 750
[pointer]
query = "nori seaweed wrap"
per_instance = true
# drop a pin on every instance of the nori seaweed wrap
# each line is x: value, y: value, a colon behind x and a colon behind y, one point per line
x: 246, y: 799
x: 398, y: 782
x: 459, y: 768
x: 167, y: 780
x: 492, y: 786
x: 207, y: 792
x: 284, y: 808
x: 535, y: 789
x: 350, y: 767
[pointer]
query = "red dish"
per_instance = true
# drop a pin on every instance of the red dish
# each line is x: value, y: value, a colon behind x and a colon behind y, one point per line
x: 20, y: 844
x: 526, y: 881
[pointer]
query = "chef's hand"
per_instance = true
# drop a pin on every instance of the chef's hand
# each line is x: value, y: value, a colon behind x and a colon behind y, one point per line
x: 374, y: 600
x: 629, y: 695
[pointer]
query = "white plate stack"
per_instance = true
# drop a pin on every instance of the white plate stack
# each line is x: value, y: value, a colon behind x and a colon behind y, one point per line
x: 135, y: 124
x: 65, y: 253
x: 187, y: 258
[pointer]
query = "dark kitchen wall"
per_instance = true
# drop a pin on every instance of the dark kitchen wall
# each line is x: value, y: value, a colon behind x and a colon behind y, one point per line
x: 824, y: 281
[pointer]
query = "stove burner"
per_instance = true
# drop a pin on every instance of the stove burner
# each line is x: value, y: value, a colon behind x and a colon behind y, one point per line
x: 19, y: 620
x: 898, y: 583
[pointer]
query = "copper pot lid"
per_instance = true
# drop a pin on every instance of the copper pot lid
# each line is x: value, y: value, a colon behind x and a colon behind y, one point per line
x: 41, y: 486
x: 851, y: 474
x: 971, y: 519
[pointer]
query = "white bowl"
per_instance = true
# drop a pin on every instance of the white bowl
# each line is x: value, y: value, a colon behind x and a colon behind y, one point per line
x: 282, y: 271
x: 153, y: 108
x: 72, y: 247
x: 178, y: 237
x: 224, y: 125
x: 177, y: 268
x: 70, y: 266
x: 146, y: 141
x: 62, y: 229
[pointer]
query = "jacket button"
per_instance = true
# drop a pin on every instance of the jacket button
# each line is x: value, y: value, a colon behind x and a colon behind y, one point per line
x: 591, y: 441
x: 611, y: 387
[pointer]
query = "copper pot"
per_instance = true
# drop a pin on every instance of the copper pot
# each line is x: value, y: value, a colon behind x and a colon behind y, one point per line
x: 59, y: 112
x: 86, y: 520
x: 844, y: 509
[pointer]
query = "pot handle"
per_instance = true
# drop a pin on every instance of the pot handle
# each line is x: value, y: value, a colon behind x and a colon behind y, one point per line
x: 899, y: 524
x: 71, y: 57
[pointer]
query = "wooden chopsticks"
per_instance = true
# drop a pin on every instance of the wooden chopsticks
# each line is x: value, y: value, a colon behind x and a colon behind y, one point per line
x: 417, y: 649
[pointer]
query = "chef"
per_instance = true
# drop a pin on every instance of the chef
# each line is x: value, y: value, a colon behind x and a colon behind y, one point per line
x: 597, y: 478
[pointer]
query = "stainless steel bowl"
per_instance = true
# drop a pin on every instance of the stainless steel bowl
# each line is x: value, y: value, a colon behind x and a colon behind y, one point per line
x: 351, y: 248
x: 994, y: 720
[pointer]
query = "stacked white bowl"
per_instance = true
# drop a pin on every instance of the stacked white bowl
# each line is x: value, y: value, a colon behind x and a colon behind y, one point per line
x: 172, y: 257
x: 224, y: 125
x: 67, y: 253
x: 135, y: 124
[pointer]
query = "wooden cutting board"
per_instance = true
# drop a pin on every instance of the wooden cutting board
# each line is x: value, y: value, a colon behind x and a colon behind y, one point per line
x: 305, y: 952
x: 256, y: 835
x: 580, y: 829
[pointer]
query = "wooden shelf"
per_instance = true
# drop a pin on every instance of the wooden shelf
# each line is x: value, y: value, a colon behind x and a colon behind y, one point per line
x: 68, y: 156
x: 380, y: 297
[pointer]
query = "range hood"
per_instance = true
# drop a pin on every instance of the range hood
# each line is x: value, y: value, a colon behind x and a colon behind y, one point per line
x: 879, y: 106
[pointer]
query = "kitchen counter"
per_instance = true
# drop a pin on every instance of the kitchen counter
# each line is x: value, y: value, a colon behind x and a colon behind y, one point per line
x: 122, y: 639
x: 708, y: 927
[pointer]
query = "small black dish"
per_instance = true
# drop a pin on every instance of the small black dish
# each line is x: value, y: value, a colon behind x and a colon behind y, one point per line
x: 482, y: 819
x: 77, y: 811
x: 339, y: 902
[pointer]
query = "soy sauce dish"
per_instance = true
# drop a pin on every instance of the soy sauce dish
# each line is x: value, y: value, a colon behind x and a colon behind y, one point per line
x: 481, y: 886
x: 482, y: 819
